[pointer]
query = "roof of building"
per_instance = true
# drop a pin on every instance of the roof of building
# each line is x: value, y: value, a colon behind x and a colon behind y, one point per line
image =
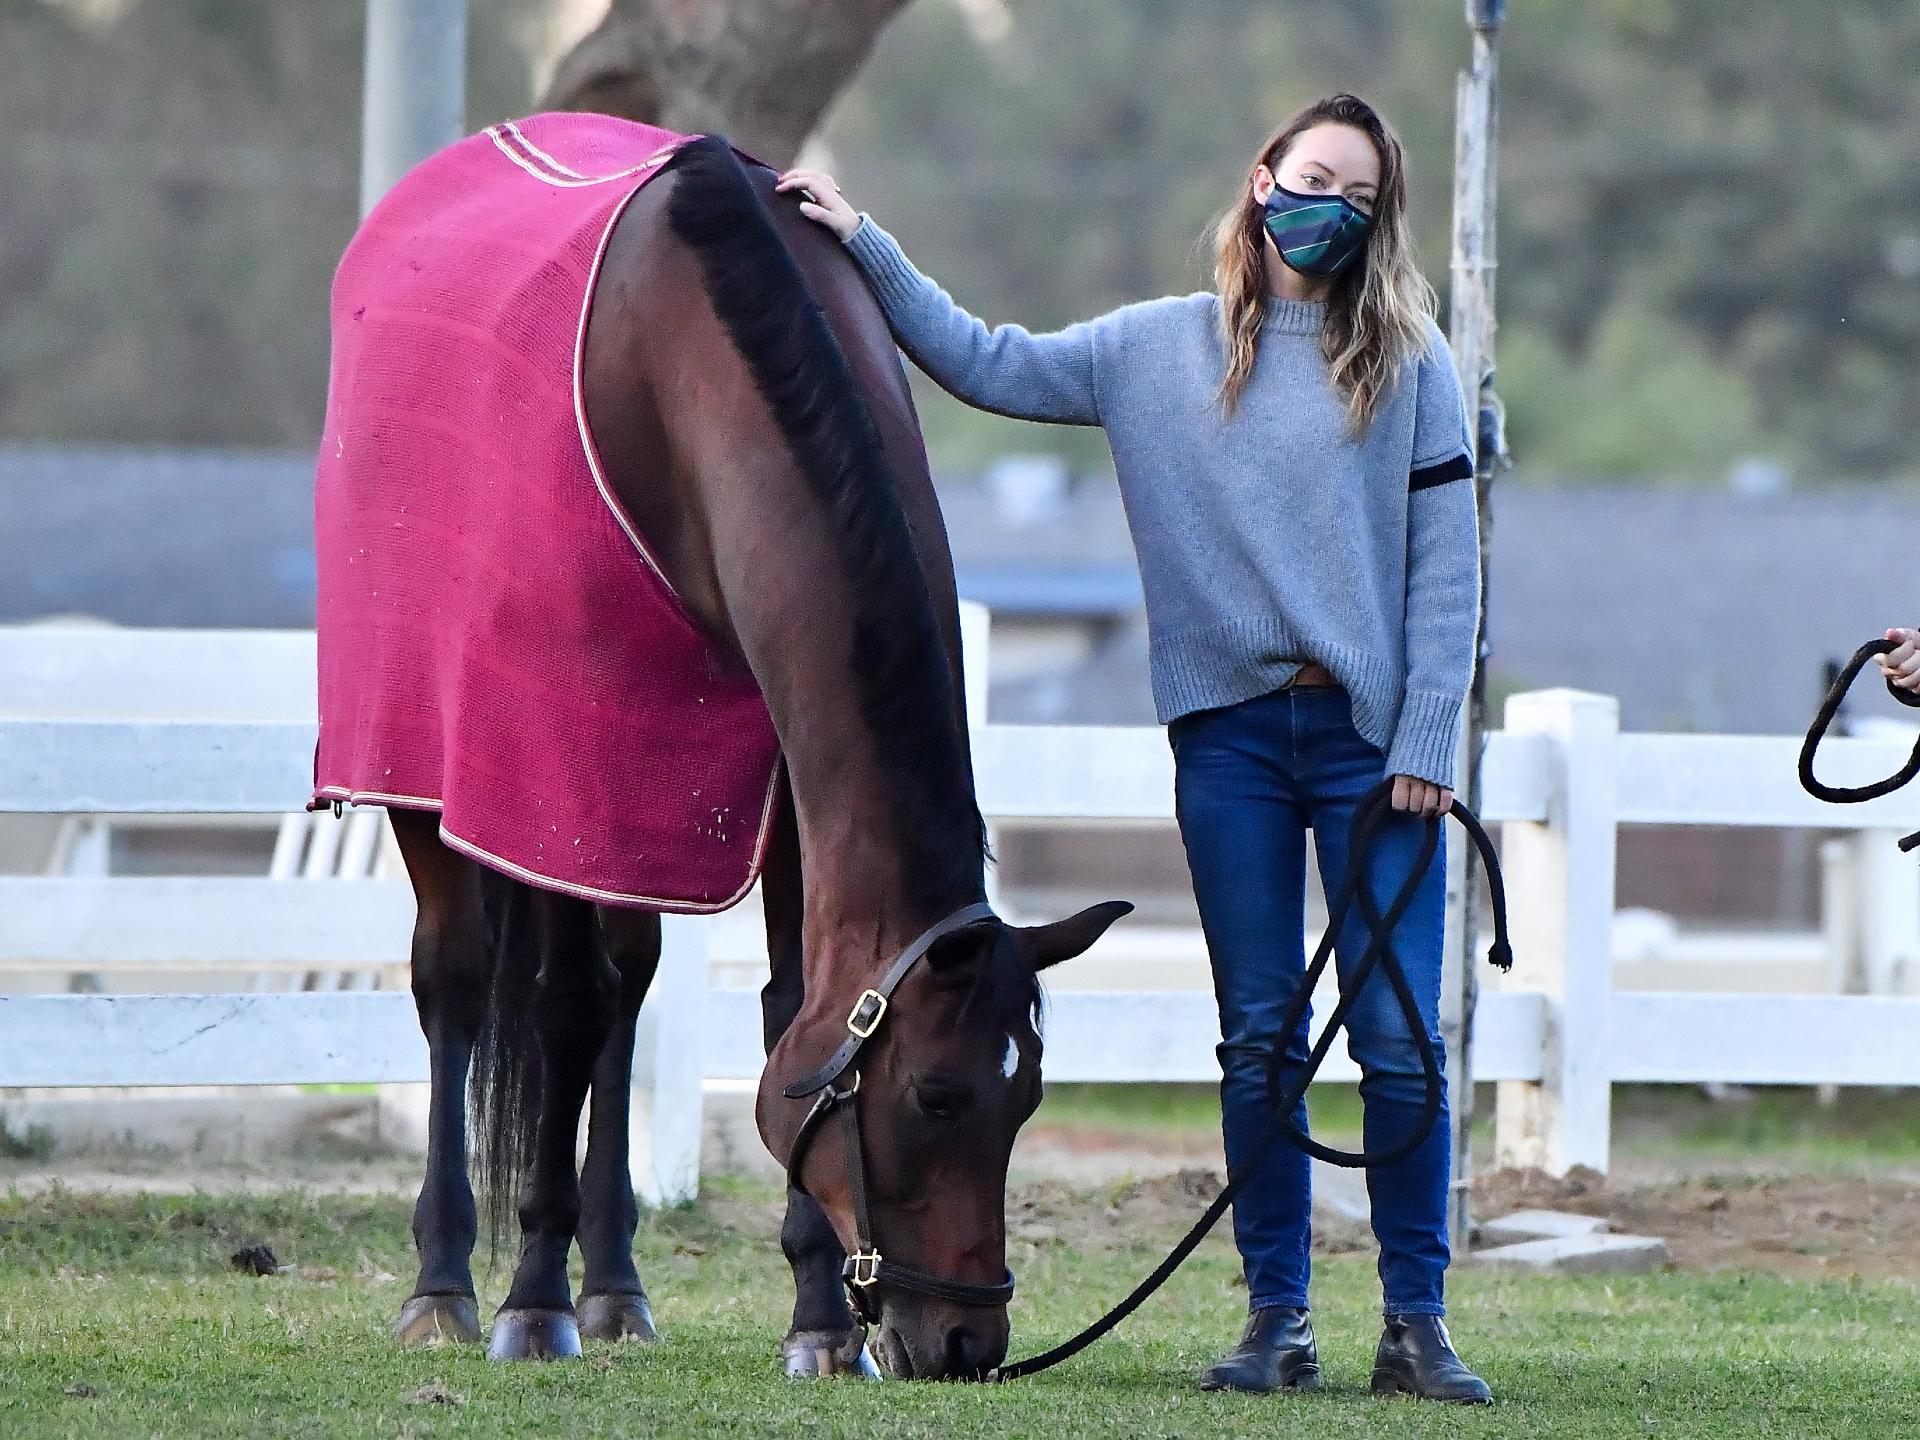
x: 157, y: 537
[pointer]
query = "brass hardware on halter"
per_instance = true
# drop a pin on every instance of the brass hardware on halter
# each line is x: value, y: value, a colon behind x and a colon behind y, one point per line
x: 863, y: 1268
x: 866, y: 1014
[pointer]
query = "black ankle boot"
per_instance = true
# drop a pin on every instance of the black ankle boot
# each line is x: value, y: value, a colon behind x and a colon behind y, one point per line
x: 1275, y: 1353
x: 1416, y: 1358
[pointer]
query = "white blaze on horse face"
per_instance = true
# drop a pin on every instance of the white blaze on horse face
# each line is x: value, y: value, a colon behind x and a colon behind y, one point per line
x: 1010, y: 1062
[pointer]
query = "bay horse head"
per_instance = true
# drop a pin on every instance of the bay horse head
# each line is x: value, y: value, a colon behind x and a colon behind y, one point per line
x: 904, y: 1130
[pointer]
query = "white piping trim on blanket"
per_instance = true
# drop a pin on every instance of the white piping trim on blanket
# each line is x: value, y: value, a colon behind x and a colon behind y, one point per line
x: 566, y: 887
x: 560, y: 175
x: 367, y: 797
x: 512, y: 127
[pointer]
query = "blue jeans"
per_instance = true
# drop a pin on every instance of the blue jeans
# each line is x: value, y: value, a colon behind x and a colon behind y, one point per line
x: 1249, y: 781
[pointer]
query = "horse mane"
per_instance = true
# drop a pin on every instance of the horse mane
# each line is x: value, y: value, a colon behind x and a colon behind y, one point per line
x: 906, y: 691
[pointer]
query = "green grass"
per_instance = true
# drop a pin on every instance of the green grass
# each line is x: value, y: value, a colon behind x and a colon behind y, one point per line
x: 1782, y: 1129
x: 132, y: 1297
x: 1163, y: 1110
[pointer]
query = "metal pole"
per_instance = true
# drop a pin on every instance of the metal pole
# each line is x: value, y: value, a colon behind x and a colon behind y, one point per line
x: 414, y: 96
x: 413, y: 101
x: 1472, y: 332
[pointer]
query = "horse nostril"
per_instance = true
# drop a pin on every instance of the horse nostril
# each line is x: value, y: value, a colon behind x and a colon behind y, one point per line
x: 967, y: 1353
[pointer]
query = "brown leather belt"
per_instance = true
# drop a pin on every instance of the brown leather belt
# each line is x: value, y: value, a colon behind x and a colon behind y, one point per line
x: 1314, y: 674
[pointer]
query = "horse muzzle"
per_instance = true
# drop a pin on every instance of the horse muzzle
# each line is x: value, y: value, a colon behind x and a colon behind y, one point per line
x: 936, y: 1340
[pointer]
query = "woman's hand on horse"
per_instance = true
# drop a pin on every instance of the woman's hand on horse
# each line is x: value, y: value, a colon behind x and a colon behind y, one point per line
x: 1901, y: 664
x: 1420, y: 797
x: 821, y: 201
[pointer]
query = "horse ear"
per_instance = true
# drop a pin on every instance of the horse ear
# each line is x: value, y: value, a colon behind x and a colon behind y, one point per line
x: 1045, y: 945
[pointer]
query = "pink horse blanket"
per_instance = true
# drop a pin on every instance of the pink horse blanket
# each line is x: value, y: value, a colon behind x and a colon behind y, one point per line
x: 496, y: 643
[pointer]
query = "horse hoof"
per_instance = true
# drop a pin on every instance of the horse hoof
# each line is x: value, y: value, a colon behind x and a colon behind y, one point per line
x: 438, y: 1320
x: 534, y: 1335
x: 616, y: 1317
x: 824, y: 1354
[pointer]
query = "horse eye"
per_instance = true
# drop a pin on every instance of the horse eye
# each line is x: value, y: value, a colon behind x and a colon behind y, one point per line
x: 942, y: 1099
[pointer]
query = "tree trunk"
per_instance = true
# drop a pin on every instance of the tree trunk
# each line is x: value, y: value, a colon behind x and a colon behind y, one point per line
x: 761, y: 72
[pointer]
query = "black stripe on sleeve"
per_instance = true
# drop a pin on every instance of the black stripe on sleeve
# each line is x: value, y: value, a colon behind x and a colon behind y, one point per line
x: 1458, y: 468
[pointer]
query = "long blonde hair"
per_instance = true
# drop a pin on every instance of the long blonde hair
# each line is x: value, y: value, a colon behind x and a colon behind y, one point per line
x: 1376, y: 310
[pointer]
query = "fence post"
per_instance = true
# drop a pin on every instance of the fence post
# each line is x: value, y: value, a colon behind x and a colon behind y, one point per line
x: 1889, y: 887
x: 976, y: 638
x: 665, y: 1119
x: 976, y: 631
x: 1560, y: 905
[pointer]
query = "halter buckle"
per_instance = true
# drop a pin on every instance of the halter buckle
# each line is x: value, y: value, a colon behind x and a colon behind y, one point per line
x: 863, y: 1269
x: 866, y: 1014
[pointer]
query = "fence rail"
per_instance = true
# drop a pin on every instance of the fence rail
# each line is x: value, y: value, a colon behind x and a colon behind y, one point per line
x: 1560, y: 779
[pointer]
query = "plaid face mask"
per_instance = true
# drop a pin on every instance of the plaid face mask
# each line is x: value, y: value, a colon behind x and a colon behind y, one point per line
x: 1317, y: 235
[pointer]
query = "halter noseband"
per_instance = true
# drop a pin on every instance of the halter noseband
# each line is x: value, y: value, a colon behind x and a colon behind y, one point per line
x: 865, y: 1270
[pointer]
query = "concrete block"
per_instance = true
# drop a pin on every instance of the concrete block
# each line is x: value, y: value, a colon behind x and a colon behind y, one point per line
x: 1579, y: 1254
x: 1539, y: 1225
x: 1341, y: 1191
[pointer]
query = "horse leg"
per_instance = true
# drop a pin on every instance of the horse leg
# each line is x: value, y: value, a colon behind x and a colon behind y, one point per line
x: 573, y: 1001
x: 613, y: 1302
x: 823, y: 1339
x: 450, y: 979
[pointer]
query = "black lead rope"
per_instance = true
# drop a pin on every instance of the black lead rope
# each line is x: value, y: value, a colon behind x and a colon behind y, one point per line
x: 1288, y: 1084
x: 1829, y: 708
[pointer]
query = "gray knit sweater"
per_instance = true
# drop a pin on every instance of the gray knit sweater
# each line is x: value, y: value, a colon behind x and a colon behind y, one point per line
x: 1264, y: 540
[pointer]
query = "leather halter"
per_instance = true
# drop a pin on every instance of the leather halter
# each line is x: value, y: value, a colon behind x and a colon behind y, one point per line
x: 865, y: 1270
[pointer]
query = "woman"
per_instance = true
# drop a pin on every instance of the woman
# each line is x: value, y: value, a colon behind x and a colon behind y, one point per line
x: 1293, y: 456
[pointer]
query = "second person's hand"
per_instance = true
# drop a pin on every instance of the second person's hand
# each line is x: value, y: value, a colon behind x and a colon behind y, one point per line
x: 1901, y: 665
x: 821, y: 201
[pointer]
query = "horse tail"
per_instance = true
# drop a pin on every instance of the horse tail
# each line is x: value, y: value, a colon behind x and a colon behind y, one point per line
x: 504, y: 1093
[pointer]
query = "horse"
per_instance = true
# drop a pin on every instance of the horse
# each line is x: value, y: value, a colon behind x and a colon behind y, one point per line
x: 752, y: 417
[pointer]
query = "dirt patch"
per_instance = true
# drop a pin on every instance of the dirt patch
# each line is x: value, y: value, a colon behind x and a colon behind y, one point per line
x: 1808, y: 1226
x: 162, y: 1173
x: 1047, y: 1212
x: 1149, y: 1210
x: 1794, y: 1225
x: 1123, y: 1192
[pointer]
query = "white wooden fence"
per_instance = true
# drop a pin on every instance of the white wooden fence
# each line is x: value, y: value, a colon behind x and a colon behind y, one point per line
x: 1560, y: 779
